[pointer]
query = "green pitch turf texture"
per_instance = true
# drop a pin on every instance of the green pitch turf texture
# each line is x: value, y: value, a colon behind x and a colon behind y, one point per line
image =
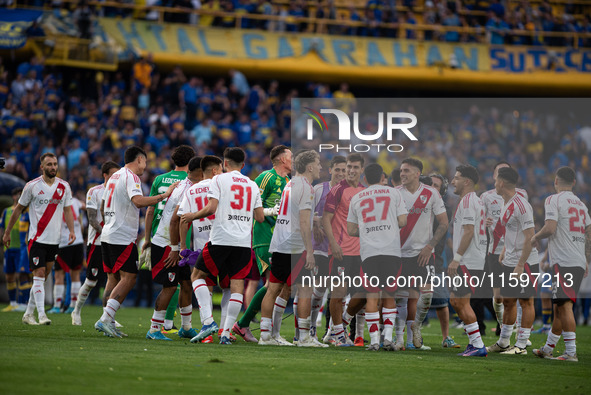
x: 66, y: 359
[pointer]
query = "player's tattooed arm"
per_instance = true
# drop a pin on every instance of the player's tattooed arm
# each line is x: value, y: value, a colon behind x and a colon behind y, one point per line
x: 441, y: 229
x: 93, y: 221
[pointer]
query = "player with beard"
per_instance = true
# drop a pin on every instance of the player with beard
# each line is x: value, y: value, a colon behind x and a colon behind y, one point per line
x: 48, y: 198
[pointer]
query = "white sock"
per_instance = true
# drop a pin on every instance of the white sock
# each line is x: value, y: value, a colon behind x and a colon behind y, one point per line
x: 373, y: 326
x: 157, y: 321
x: 58, y: 294
x: 304, y: 328
x: 519, y: 312
x: 316, y: 305
x: 30, y: 305
x: 202, y: 294
x: 409, y: 336
x: 551, y: 342
x: 186, y: 313
x: 346, y: 318
x: 74, y: 293
x: 499, y: 309
x: 389, y: 317
x: 423, y: 306
x: 505, y: 338
x: 278, y: 311
x: 234, y: 306
x: 266, y: 327
x: 168, y: 324
x: 338, y: 331
x: 402, y: 309
x: 38, y: 292
x: 473, y: 332
x: 83, y: 295
x: 522, y: 337
x: 360, y: 323
x: 570, y: 339
x: 226, y: 293
x: 110, y: 310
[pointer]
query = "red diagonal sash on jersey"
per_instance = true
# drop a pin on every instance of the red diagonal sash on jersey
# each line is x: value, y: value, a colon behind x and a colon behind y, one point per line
x: 49, y: 211
x: 499, y: 230
x: 412, y: 218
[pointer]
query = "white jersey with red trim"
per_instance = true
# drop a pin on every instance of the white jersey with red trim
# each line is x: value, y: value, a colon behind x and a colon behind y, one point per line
x: 517, y: 215
x: 46, y: 207
x: 493, y: 205
x: 94, y: 199
x: 162, y: 236
x: 194, y: 199
x: 76, y: 208
x: 422, y: 206
x: 298, y: 195
x: 470, y: 211
x: 122, y: 217
x: 238, y: 196
x: 376, y: 210
x: 567, y: 245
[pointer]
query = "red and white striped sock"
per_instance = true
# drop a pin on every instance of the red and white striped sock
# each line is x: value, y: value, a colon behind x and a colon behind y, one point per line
x: 58, y: 295
x: 304, y: 328
x: 570, y: 339
x: 74, y: 293
x: 551, y: 342
x: 473, y: 332
x: 278, y: 311
x: 373, y: 326
x: 522, y: 337
x: 83, y: 294
x: 186, y: 314
x: 110, y: 310
x: 338, y: 331
x: 204, y: 299
x: 346, y: 318
x: 266, y: 327
x: 234, y: 306
x: 389, y: 317
x: 157, y: 320
x: 38, y: 295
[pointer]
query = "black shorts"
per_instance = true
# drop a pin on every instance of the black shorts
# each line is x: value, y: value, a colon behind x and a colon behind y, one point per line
x: 118, y: 257
x: 170, y: 276
x: 470, y: 284
x: 40, y: 254
x: 70, y: 258
x: 520, y: 287
x: 568, y: 284
x: 349, y: 266
x: 287, y: 268
x: 94, y: 261
x: 225, y: 262
x: 492, y: 265
x: 380, y: 273
x: 415, y: 276
x: 322, y: 268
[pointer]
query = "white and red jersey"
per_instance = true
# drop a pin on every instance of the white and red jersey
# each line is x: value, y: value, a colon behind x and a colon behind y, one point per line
x: 76, y: 208
x: 470, y: 211
x: 162, y: 236
x: 422, y: 206
x: 298, y: 195
x: 237, y: 197
x: 122, y: 217
x: 493, y: 205
x: 566, y: 246
x: 517, y: 215
x: 46, y: 207
x: 194, y: 199
x: 376, y: 210
x: 94, y: 200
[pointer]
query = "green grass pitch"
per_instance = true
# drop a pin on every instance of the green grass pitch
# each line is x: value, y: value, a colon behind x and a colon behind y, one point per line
x: 64, y: 359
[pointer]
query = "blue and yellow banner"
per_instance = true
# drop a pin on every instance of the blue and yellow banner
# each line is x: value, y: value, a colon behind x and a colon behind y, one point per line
x: 13, y: 27
x: 536, y: 59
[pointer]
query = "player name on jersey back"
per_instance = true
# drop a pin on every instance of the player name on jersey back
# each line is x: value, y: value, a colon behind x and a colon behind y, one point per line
x: 376, y: 211
x: 194, y: 199
x: 46, y: 207
x: 237, y: 197
x: 567, y: 245
x: 121, y: 215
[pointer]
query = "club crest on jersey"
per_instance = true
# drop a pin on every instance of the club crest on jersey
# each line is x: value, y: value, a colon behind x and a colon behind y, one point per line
x: 315, y: 270
x: 35, y: 260
x: 94, y: 271
x: 341, y: 270
x: 60, y: 192
x: 423, y: 199
x: 171, y: 276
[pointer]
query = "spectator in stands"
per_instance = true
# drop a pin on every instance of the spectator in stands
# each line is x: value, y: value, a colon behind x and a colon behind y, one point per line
x: 239, y: 81
x: 83, y: 16
x: 142, y: 75
x: 188, y: 96
x: 497, y: 29
x: 452, y: 20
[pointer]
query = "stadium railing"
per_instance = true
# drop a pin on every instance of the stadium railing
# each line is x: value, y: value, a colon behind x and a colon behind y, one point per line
x: 318, y: 24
